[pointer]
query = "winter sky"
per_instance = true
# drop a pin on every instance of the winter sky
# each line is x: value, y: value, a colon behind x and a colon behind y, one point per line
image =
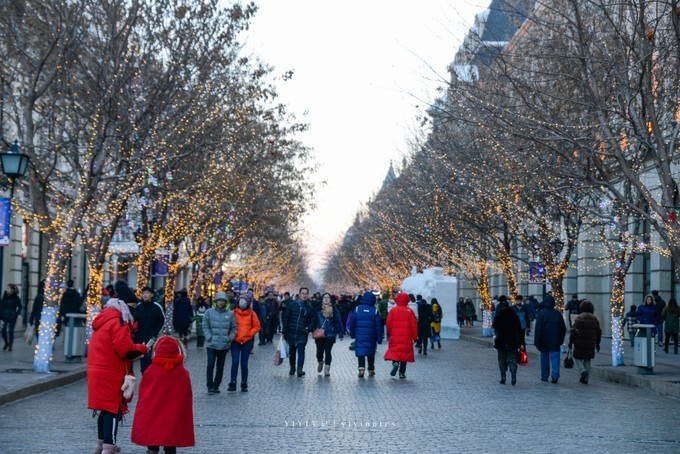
x: 364, y: 70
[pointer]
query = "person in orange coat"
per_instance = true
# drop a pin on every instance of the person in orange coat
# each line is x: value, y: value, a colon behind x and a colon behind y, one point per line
x: 164, y: 415
x: 402, y: 327
x: 248, y: 325
x: 110, y: 383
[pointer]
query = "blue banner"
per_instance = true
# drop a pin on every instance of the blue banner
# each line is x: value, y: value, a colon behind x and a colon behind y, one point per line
x: 5, y: 215
x: 536, y: 273
x: 160, y: 266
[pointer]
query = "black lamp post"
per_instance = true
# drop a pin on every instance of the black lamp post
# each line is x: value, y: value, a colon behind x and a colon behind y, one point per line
x: 14, y: 166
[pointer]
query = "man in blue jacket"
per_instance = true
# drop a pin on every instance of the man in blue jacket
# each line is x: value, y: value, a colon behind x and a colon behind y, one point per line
x: 296, y: 325
x: 548, y: 337
x: 366, y: 328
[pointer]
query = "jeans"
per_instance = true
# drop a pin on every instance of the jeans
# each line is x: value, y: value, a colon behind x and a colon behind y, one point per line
x: 507, y: 359
x: 218, y: 356
x: 240, y: 354
x: 200, y: 341
x: 299, y: 351
x: 631, y: 334
x: 271, y: 328
x: 107, y: 427
x: 371, y: 362
x: 8, y: 331
x: 323, y: 349
x: 262, y: 335
x: 145, y: 361
x: 659, y: 332
x: 550, y: 360
x: 583, y: 365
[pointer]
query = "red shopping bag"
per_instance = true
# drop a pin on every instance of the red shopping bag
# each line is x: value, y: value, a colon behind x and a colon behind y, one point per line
x: 522, y: 357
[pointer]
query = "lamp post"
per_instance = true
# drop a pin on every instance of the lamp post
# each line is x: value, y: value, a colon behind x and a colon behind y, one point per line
x: 14, y: 166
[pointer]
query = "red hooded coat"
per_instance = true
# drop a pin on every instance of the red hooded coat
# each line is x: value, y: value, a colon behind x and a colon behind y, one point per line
x: 402, y: 327
x: 108, y: 361
x: 164, y: 414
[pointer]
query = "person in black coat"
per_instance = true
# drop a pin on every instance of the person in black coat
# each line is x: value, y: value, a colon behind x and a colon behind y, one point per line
x: 548, y: 337
x: 70, y: 303
x: 36, y: 312
x: 424, y: 320
x: 182, y: 315
x: 509, y: 337
x: 10, y: 308
x: 150, y: 320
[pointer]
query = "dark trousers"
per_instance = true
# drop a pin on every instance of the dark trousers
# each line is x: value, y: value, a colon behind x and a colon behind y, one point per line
x: 659, y: 330
x: 323, y: 349
x: 239, y: 355
x: 673, y: 336
x: 167, y: 449
x: 371, y: 362
x: 271, y: 328
x: 507, y: 359
x: 422, y: 343
x: 218, y: 356
x: 145, y: 361
x: 402, y: 366
x: 8, y: 331
x: 107, y: 427
x: 631, y: 335
x: 200, y: 340
x: 296, y: 351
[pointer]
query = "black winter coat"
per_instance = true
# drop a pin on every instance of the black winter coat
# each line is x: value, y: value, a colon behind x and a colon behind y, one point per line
x: 182, y: 314
x: 297, y: 322
x: 424, y: 319
x: 10, y: 307
x: 585, y: 336
x: 509, y: 333
x: 550, y: 329
x: 70, y: 302
x: 36, y: 312
x: 150, y: 321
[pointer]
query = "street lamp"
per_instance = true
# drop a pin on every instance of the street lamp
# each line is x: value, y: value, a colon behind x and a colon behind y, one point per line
x: 14, y: 164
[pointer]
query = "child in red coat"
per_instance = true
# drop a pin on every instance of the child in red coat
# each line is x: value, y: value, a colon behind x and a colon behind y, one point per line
x: 402, y: 328
x: 164, y: 415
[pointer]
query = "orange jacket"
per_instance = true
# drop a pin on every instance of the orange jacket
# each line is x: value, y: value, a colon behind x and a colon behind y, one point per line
x: 248, y: 325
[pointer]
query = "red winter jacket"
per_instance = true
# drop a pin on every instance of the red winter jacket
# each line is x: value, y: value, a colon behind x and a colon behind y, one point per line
x: 403, y: 330
x: 108, y: 361
x: 164, y: 413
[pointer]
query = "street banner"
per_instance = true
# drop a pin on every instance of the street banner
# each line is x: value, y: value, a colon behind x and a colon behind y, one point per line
x: 5, y: 216
x: 536, y: 273
x: 160, y: 266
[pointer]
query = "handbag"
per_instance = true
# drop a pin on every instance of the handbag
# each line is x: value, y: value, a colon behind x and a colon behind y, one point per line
x: 319, y: 333
x: 522, y: 357
x: 569, y: 361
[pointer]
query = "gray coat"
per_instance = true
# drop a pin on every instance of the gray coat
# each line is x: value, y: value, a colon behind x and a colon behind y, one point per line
x: 219, y: 327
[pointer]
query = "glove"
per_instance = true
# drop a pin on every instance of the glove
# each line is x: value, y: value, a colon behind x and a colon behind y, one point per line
x: 128, y: 387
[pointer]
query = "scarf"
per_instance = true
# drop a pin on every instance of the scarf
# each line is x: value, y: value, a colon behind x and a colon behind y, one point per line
x: 120, y: 306
x: 327, y: 310
x: 168, y: 363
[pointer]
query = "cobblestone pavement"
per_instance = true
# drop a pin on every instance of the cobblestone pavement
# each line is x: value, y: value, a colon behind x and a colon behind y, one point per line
x: 450, y: 402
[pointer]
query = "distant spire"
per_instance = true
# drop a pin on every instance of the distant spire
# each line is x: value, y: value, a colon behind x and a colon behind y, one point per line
x: 390, y: 177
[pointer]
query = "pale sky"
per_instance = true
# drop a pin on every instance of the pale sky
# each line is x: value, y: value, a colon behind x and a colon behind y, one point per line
x: 363, y: 71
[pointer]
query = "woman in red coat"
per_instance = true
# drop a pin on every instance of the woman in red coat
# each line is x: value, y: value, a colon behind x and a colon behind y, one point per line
x: 164, y: 414
x: 402, y: 327
x: 109, y: 380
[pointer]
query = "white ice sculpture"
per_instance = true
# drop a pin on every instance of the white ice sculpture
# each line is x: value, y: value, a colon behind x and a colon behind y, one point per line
x: 432, y: 283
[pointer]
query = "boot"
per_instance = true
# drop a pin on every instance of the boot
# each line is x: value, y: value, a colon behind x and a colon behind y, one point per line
x: 395, y: 368
x: 100, y: 447
x: 232, y: 386
x: 9, y: 348
x: 371, y: 372
x: 300, y: 372
x: 361, y: 372
x: 4, y: 347
x: 108, y: 449
x: 319, y: 368
x: 432, y: 346
x: 420, y: 350
x: 327, y: 370
x: 439, y: 345
x: 502, y: 382
x: 292, y: 370
x: 513, y: 380
x: 244, y: 387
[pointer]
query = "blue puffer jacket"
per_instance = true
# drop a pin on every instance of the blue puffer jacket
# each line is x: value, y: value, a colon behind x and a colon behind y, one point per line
x: 646, y: 314
x: 298, y: 321
x: 550, y: 328
x: 365, y: 326
x: 333, y: 326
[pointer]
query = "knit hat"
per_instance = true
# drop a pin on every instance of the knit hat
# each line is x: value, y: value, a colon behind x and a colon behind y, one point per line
x: 368, y: 298
x: 168, y: 353
x: 124, y: 293
x: 221, y: 296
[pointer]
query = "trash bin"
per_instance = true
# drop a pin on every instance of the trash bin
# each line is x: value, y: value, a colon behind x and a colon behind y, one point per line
x: 74, y: 337
x: 644, y: 349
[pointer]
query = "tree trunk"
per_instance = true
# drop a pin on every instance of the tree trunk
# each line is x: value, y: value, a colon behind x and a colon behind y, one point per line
x: 170, y: 284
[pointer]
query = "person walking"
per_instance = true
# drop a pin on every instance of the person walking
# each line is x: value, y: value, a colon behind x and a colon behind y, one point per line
x: 70, y: 303
x: 181, y: 315
x: 272, y: 322
x: 296, y: 325
x: 164, y: 412
x: 424, y: 324
x: 659, y: 305
x: 382, y: 308
x: 110, y: 382
x: 248, y: 326
x: 549, y: 335
x: 671, y: 317
x: 36, y: 312
x: 628, y: 322
x: 402, y: 328
x: 150, y: 319
x: 219, y: 326
x: 327, y: 318
x: 646, y: 314
x: 460, y: 312
x: 509, y: 338
x: 10, y: 308
x: 365, y: 328
x: 585, y: 338
x: 469, y: 313
x: 436, y: 325
x: 572, y: 309
x: 522, y: 313
x: 201, y: 308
